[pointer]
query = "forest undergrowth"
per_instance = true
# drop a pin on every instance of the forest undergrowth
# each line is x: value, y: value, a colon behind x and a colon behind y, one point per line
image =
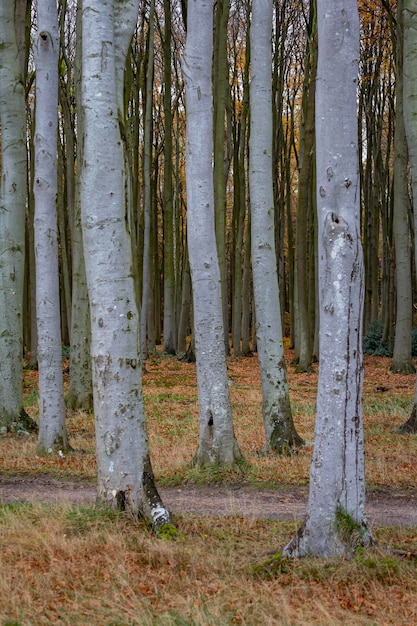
x: 79, y: 565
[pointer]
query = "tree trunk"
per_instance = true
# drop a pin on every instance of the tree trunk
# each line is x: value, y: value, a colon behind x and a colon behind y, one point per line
x: 147, y: 209
x: 410, y: 123
x: 335, y: 522
x: 247, y: 291
x: 185, y: 311
x: 217, y: 440
x: 240, y: 202
x: 125, y: 478
x: 221, y: 159
x: 80, y: 392
x: 12, y: 223
x: 402, y: 361
x: 52, y: 428
x: 304, y: 240
x: 169, y: 328
x: 280, y: 432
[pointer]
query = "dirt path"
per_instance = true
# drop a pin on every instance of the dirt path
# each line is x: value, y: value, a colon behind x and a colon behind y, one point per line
x: 385, y: 507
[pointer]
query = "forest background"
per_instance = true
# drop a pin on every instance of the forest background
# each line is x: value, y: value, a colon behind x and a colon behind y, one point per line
x: 156, y: 127
x: 156, y: 118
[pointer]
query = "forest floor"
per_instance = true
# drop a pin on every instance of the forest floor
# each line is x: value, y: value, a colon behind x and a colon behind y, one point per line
x: 266, y: 487
x: 385, y: 506
x: 65, y: 561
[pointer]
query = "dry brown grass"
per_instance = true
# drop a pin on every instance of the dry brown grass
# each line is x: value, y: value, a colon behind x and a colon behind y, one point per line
x: 85, y: 566
x: 170, y: 391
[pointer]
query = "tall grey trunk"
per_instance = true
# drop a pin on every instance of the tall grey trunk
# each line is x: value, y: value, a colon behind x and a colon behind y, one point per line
x: 217, y: 440
x: 279, y: 428
x: 52, y: 429
x: 12, y: 222
x: 335, y: 521
x: 147, y: 298
x: 170, y: 326
x: 80, y: 392
x: 402, y: 360
x: 125, y: 478
x: 410, y: 122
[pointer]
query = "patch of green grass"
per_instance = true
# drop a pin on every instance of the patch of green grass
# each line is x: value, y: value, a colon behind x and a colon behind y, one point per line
x: 217, y: 474
x: 273, y: 567
x: 350, y: 532
x: 166, y: 396
x: 82, y: 520
x: 32, y: 399
x: 381, y: 567
x: 387, y: 404
x: 14, y: 508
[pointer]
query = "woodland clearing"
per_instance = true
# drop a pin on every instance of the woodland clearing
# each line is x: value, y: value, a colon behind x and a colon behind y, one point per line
x: 65, y: 561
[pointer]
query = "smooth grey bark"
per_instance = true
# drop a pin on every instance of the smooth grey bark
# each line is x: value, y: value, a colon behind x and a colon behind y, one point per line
x: 221, y: 161
x: 80, y: 391
x: 247, y: 291
x: 12, y: 223
x: 402, y: 360
x: 52, y: 427
x: 280, y: 432
x: 304, y: 270
x: 217, y: 443
x: 410, y: 123
x: 185, y: 312
x: 64, y: 245
x: 169, y: 327
x: 147, y: 299
x: 125, y: 478
x: 240, y: 205
x: 335, y: 522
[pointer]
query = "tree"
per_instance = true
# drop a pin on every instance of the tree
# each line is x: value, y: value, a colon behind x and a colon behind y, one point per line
x: 12, y: 222
x: 170, y: 327
x: 376, y: 112
x: 147, y: 282
x: 80, y: 392
x: 52, y: 428
x: 305, y: 270
x: 335, y: 521
x: 125, y: 478
x: 410, y: 122
x: 279, y: 428
x: 221, y: 160
x: 217, y: 440
x: 402, y: 360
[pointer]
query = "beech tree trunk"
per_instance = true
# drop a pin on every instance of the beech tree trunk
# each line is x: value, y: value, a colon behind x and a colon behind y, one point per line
x: 410, y: 122
x: 52, y: 428
x: 280, y: 432
x: 402, y: 360
x: 170, y: 326
x: 80, y: 392
x: 304, y: 238
x: 147, y: 334
x: 12, y: 223
x: 335, y: 522
x: 125, y: 478
x: 217, y: 440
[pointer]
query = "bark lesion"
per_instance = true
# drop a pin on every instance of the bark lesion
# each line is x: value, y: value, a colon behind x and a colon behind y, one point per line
x: 214, y: 451
x: 153, y: 508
